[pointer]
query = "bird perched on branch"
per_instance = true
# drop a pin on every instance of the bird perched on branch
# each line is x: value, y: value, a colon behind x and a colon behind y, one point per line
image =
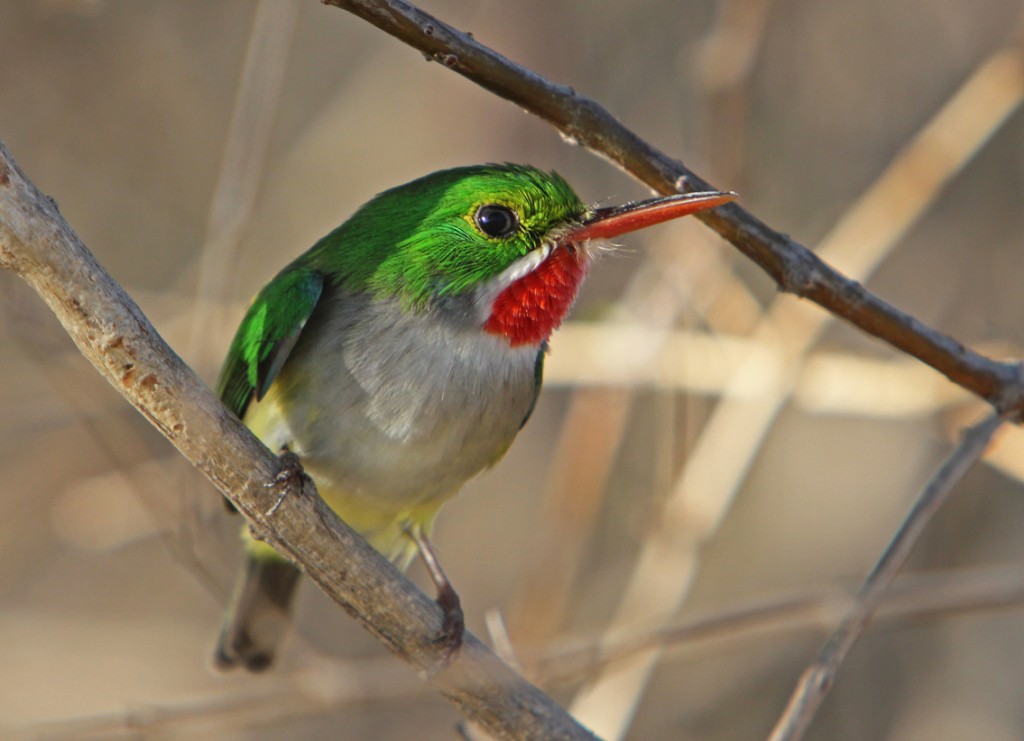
x: 401, y: 355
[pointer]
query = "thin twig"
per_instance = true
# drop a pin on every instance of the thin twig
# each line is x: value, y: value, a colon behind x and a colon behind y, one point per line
x: 817, y: 679
x: 793, y: 267
x: 759, y: 388
x: 910, y: 599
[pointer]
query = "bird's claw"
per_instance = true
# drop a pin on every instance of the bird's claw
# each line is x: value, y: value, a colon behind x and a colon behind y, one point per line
x: 290, y: 476
x: 453, y: 626
x: 453, y: 623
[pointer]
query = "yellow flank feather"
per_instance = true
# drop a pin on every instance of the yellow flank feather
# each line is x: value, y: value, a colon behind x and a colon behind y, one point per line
x: 385, y: 531
x: 384, y: 527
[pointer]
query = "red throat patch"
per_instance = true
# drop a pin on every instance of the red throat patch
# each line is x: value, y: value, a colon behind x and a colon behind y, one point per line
x: 529, y: 310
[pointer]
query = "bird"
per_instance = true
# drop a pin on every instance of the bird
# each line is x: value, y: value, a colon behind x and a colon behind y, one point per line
x: 401, y: 355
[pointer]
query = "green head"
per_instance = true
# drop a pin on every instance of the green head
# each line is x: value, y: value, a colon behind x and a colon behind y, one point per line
x: 449, y: 232
x: 511, y: 238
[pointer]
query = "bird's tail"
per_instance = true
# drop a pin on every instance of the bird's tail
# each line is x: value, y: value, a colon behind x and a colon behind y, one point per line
x: 258, y: 616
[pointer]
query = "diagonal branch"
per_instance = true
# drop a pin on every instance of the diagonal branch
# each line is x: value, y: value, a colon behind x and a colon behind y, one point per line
x: 112, y: 333
x: 818, y: 678
x: 794, y: 268
x: 739, y: 423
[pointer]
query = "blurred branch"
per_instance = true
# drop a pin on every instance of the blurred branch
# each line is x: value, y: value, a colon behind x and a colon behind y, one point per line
x: 325, y: 684
x: 879, y: 218
x: 910, y: 599
x: 818, y: 678
x: 245, y: 153
x: 794, y: 268
x: 630, y: 354
x: 316, y: 688
x: 728, y: 444
x: 110, y: 330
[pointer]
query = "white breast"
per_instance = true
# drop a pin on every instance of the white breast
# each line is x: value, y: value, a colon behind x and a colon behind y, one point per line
x: 396, y: 409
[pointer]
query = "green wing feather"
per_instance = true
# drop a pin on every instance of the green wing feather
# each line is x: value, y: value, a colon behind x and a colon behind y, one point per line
x: 267, y: 335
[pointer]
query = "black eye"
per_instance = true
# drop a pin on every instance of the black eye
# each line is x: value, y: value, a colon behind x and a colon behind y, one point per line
x: 496, y: 221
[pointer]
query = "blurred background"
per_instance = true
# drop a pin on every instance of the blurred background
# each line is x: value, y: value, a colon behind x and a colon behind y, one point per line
x: 707, y: 455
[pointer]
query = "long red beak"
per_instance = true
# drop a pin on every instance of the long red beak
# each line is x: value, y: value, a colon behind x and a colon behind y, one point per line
x: 607, y: 223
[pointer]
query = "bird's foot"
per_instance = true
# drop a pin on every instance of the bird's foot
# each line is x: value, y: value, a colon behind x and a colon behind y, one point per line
x: 290, y: 477
x: 453, y: 621
x: 453, y: 625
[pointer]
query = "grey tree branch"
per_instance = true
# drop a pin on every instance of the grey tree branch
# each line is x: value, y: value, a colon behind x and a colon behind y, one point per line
x: 794, y: 268
x: 111, y: 331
